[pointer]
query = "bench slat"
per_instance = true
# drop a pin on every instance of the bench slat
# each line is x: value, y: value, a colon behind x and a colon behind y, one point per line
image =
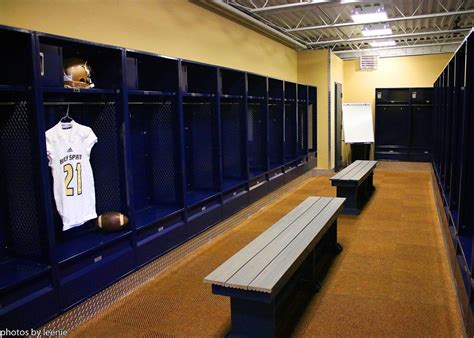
x: 362, y: 168
x: 347, y: 170
x: 357, y: 172
x: 289, y: 259
x: 364, y: 171
x: 257, y: 264
x: 225, y: 271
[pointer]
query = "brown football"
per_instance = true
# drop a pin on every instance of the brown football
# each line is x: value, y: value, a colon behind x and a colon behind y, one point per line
x: 111, y: 221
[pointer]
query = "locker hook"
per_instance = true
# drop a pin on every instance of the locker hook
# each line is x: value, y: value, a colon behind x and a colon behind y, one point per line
x: 66, y: 120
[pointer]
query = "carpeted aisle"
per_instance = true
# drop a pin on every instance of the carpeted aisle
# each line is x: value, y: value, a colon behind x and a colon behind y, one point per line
x: 392, y: 278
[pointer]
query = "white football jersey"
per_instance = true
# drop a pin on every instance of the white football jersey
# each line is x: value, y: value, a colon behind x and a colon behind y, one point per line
x: 68, y: 152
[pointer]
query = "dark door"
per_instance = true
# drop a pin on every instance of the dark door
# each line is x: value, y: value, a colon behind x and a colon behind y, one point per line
x: 338, y: 125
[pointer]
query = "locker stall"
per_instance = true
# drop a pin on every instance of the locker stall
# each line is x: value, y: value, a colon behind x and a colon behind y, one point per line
x: 447, y: 146
x: 257, y: 126
x: 201, y: 146
x: 453, y: 160
x: 291, y: 133
x: 85, y: 249
x: 233, y: 131
x: 154, y: 129
x: 400, y: 124
x: 302, y: 120
x: 301, y: 128
x: 25, y: 258
x: 421, y: 112
x: 156, y: 175
x: 276, y: 133
x: 290, y: 122
x: 181, y: 145
x: 457, y: 144
x: 392, y: 124
x: 233, y: 116
x: 312, y: 127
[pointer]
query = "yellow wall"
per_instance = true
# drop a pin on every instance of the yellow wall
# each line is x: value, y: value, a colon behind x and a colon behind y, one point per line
x: 313, y: 67
x: 183, y: 29
x: 171, y: 27
x: 337, y: 75
x: 407, y: 71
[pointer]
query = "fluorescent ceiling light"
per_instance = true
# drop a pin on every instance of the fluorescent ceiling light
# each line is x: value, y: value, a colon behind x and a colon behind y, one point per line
x: 383, y: 43
x: 369, y: 14
x: 375, y: 30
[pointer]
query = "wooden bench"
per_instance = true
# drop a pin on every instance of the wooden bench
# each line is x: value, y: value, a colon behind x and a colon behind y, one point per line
x: 262, y: 276
x: 355, y: 183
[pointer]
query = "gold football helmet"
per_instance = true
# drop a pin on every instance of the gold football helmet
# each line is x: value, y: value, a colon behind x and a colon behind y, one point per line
x: 77, y: 74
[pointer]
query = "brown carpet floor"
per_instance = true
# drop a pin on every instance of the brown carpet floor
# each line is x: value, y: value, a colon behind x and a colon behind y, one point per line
x: 392, y: 278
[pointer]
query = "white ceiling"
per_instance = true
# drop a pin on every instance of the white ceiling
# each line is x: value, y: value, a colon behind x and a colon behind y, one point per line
x: 419, y: 26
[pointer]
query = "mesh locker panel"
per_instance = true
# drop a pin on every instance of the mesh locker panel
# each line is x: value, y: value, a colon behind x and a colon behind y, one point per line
x: 290, y: 130
x: 301, y: 128
x: 18, y: 175
x: 200, y: 144
x: 232, y: 145
x: 311, y: 113
x: 105, y: 160
x: 155, y: 153
x: 314, y: 114
x: 256, y: 135
x: 275, y: 133
x: 310, y: 126
x: 165, y: 152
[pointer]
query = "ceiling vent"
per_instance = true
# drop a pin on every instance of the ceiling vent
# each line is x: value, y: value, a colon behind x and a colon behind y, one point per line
x: 368, y: 62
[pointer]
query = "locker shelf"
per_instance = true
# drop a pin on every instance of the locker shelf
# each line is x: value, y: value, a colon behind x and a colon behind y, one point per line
x: 150, y: 92
x: 151, y: 74
x: 226, y: 96
x: 275, y: 165
x: 198, y: 94
x: 194, y: 197
x: 252, y: 97
x: 198, y: 78
x: 13, y: 88
x: 62, y: 90
x: 154, y: 214
x: 256, y: 173
x: 232, y: 83
x: 17, y: 270
x: 230, y: 183
x: 87, y: 243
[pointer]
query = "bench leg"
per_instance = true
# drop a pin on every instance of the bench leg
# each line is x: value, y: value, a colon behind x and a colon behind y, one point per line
x: 351, y: 194
x: 370, y: 182
x: 369, y: 186
x: 252, y: 318
x: 323, y: 253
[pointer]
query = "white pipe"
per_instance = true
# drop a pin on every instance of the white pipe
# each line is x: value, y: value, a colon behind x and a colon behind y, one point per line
x: 397, y: 47
x: 390, y: 36
x: 223, y: 6
x: 404, y: 18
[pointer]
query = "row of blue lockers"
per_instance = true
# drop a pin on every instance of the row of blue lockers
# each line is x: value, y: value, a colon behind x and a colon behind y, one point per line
x: 181, y: 146
x: 453, y: 150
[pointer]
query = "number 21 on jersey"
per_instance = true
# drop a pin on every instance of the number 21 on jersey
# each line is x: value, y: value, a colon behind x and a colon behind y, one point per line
x: 69, y: 171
